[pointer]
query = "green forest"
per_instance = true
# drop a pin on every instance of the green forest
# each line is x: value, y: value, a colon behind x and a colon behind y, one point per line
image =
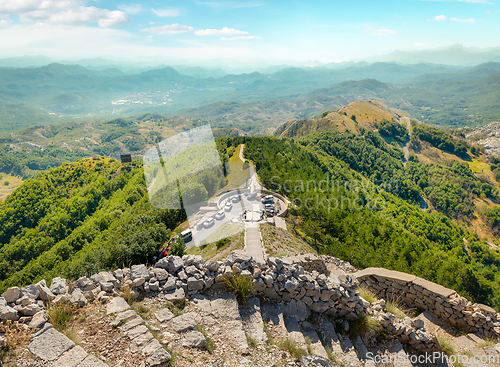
x: 387, y: 231
x: 78, y: 219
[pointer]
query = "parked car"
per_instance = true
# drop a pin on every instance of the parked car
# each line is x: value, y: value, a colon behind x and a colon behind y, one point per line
x: 269, y: 206
x: 269, y: 212
x: 220, y: 215
x: 209, y: 223
x: 235, y: 199
x: 187, y: 235
x: 252, y: 196
x: 228, y: 207
x: 268, y: 199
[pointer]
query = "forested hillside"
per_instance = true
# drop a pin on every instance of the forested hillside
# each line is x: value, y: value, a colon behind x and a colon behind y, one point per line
x: 78, y: 219
x: 381, y: 229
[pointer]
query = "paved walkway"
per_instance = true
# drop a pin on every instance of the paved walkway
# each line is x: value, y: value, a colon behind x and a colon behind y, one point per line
x: 253, y: 243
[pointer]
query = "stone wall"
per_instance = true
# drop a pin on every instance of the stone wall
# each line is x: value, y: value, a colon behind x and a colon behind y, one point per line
x: 443, y: 302
x: 174, y: 278
x: 309, y: 262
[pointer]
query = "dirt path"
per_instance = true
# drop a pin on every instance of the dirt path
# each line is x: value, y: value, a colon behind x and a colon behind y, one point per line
x: 406, y: 151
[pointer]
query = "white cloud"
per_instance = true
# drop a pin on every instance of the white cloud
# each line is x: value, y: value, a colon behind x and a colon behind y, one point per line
x: 380, y: 32
x: 62, y: 12
x: 229, y: 4
x: 241, y: 38
x: 440, y: 17
x: 25, y: 6
x: 488, y: 11
x: 167, y: 12
x: 421, y: 45
x: 130, y: 8
x: 219, y: 32
x: 470, y: 20
x: 83, y: 15
x: 5, y: 22
x: 168, y: 29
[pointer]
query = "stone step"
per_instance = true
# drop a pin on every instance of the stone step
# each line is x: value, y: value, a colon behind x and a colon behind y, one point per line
x: 349, y: 357
x: 341, y: 346
x: 317, y: 347
x: 295, y: 333
x: 252, y: 320
x: 398, y: 354
x: 273, y: 315
x: 362, y: 352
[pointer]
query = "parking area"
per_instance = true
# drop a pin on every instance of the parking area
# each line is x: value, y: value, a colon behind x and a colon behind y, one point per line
x: 237, y: 207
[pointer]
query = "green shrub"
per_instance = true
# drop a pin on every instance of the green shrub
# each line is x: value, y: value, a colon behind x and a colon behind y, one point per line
x: 178, y: 248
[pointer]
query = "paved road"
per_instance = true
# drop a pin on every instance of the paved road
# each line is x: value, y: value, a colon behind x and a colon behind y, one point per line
x: 253, y: 244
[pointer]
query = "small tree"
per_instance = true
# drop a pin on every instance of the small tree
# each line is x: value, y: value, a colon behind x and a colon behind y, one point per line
x: 178, y: 247
x: 353, y: 117
x: 6, y: 183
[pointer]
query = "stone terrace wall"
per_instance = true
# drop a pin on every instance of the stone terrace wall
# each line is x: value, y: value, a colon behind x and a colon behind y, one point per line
x: 443, y: 302
x: 310, y: 262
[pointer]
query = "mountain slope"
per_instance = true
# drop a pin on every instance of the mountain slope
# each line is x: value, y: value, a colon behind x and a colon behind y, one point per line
x: 78, y: 219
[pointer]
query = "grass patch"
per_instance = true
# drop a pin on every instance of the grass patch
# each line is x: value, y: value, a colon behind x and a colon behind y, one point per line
x: 331, y: 356
x: 309, y: 345
x: 210, y: 344
x: 446, y: 346
x: 72, y: 333
x: 140, y: 309
x: 14, y: 338
x: 270, y: 339
x: 251, y: 340
x: 362, y: 325
x: 240, y: 285
x: 177, y: 306
x: 128, y: 296
x: 61, y: 315
x: 486, y: 343
x: 290, y: 346
x: 367, y: 295
x: 397, y: 309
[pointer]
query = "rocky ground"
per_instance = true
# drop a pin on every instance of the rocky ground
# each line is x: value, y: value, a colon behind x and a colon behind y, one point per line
x: 178, y: 313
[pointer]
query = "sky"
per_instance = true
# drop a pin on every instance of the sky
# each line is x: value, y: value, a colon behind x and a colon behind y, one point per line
x: 258, y: 30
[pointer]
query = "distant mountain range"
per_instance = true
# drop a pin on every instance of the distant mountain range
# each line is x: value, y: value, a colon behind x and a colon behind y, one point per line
x: 440, y: 94
x: 451, y: 55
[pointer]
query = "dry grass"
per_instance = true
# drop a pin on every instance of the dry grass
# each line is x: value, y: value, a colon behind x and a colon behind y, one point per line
x: 290, y: 346
x: 278, y: 242
x: 15, y: 338
x: 446, y: 346
x: 395, y: 307
x: 367, y: 295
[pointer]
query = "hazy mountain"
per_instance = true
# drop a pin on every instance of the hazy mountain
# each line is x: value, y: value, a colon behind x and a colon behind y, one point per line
x: 451, y: 55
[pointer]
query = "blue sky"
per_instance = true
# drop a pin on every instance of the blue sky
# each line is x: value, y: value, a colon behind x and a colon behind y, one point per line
x: 268, y: 31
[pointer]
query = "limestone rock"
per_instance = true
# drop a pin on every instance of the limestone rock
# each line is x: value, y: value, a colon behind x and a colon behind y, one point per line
x: 157, y: 358
x: 30, y: 291
x: 194, y: 339
x: 12, y: 294
x: 45, y: 294
x: 58, y: 285
x: 8, y: 313
x: 117, y: 304
x: 139, y: 271
x: 50, y: 345
x: 164, y: 315
x: 38, y: 320
x: 184, y: 323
